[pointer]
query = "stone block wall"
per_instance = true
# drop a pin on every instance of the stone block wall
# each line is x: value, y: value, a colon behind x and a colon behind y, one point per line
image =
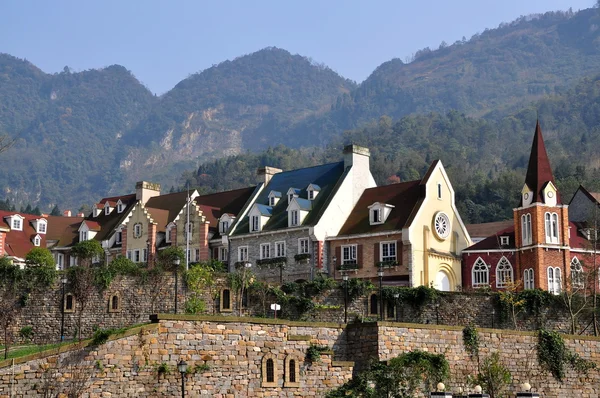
x: 232, y: 353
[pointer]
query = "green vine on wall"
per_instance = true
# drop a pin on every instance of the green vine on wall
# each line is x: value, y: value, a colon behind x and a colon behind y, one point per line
x: 553, y: 355
x: 313, y: 352
x: 415, y: 296
x: 471, y: 340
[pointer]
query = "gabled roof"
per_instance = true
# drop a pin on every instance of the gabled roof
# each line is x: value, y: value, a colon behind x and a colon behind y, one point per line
x: 63, y: 231
x: 489, y: 228
x: 304, y: 204
x: 19, y: 243
x: 108, y: 222
x: 593, y: 196
x: 264, y: 209
x: 492, y: 242
x: 314, y: 187
x: 404, y: 196
x: 92, y: 225
x: 275, y: 194
x: 326, y: 176
x: 214, y: 205
x: 539, y: 171
x: 164, y: 208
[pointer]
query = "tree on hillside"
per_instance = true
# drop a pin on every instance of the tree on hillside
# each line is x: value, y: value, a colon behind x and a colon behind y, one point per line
x: 55, y: 211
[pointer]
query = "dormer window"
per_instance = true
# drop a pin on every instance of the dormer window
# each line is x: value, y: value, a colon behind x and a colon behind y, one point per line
x: 223, y: 227
x: 292, y: 193
x: 16, y: 222
x: 83, y: 236
x: 254, y: 223
x: 313, y: 191
x: 41, y: 228
x: 379, y: 212
x: 37, y: 240
x: 120, y: 207
x: 274, y: 197
x: 258, y: 217
x: 107, y: 209
x: 225, y: 223
x: 119, y: 237
x: 97, y: 210
x: 294, y: 217
x: 504, y: 240
x: 40, y: 225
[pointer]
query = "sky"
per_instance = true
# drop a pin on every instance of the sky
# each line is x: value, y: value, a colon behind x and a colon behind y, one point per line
x: 163, y: 42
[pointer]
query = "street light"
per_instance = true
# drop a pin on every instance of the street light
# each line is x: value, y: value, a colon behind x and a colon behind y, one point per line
x: 345, y: 278
x: 62, y: 318
x: 177, y: 261
x: 182, y: 367
x: 380, y: 275
x: 396, y: 298
x: 247, y: 266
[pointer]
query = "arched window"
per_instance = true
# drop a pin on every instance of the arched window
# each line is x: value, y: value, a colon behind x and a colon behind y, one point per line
x: 114, y: 304
x: 551, y: 223
x: 528, y: 279
x: 504, y: 273
x: 577, y: 277
x: 292, y: 371
x: 269, y: 371
x: 480, y: 273
x: 526, y: 229
x: 554, y: 280
x: 373, y: 305
x: 225, y: 300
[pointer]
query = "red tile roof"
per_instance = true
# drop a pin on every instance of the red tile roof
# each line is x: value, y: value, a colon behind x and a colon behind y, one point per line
x: 172, y: 203
x: 492, y: 242
x: 19, y: 243
x: 539, y: 171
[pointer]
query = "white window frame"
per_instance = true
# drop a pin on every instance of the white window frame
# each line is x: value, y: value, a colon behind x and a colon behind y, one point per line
x: 129, y: 255
x: 73, y: 261
x: 303, y: 246
x: 376, y: 215
x: 119, y: 237
x: 83, y: 236
x: 120, y: 207
x: 107, y: 209
x: 526, y: 229
x: 41, y: 227
x: 280, y: 249
x: 388, y: 246
x: 136, y: 256
x: 311, y: 195
x: 223, y: 254
x: 37, y: 240
x: 168, y: 234
x: 480, y: 273
x: 528, y: 280
x: 254, y: 223
x: 294, y: 217
x: 504, y: 240
x: 577, y: 277
x: 188, y: 228
x: 60, y: 261
x: 551, y: 227
x: 272, y: 201
x: 504, y: 273
x: 349, y: 254
x: 223, y: 227
x: 17, y: 224
x: 265, y: 250
x: 243, y: 253
x: 554, y: 280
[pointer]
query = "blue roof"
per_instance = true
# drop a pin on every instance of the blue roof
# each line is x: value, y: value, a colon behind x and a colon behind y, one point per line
x: 276, y: 194
x: 295, y: 190
x: 315, y: 187
x: 326, y: 176
x: 265, y: 210
x: 304, y: 204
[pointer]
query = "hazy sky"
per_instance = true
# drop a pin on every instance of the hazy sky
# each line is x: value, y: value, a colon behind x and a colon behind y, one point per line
x: 162, y: 42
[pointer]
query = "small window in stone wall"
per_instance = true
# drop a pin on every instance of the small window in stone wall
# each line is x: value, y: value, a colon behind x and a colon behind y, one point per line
x: 390, y: 312
x: 225, y: 304
x: 114, y: 303
x: 373, y: 304
x: 292, y: 371
x: 69, y: 304
x: 269, y: 371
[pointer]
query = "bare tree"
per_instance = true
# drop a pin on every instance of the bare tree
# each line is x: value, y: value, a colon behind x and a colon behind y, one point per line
x: 82, y: 285
x: 576, y: 294
x: 10, y: 305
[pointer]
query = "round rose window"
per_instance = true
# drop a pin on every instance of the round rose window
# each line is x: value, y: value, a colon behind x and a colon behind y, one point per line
x: 441, y: 225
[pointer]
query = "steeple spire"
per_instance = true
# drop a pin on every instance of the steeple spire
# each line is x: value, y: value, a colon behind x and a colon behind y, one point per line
x: 539, y: 172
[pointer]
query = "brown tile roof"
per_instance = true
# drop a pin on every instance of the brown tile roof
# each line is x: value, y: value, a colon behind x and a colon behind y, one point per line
x: 172, y: 203
x: 19, y: 243
x: 492, y: 242
x: 160, y: 217
x: 230, y: 202
x: 404, y: 196
x: 63, y: 231
x: 539, y: 171
x: 109, y: 222
x: 212, y: 214
x: 488, y: 228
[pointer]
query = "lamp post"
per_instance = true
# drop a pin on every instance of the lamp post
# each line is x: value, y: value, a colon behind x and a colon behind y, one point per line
x: 182, y: 367
x: 396, y: 299
x: 380, y: 275
x: 247, y: 266
x: 345, y: 278
x: 62, y: 311
x: 177, y: 261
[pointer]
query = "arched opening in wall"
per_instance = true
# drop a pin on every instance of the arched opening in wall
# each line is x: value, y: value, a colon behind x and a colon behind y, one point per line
x: 114, y: 303
x: 373, y: 304
x: 442, y: 281
x: 292, y: 371
x: 69, y: 304
x: 225, y: 304
x: 269, y: 371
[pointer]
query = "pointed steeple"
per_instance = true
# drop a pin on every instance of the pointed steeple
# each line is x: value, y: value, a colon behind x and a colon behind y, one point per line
x: 539, y: 172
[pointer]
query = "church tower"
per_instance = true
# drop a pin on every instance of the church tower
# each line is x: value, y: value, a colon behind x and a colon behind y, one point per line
x: 541, y: 225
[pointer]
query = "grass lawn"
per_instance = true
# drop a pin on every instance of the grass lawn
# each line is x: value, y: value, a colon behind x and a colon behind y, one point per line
x: 22, y: 350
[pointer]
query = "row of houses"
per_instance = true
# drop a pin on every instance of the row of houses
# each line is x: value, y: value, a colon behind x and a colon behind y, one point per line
x: 332, y: 219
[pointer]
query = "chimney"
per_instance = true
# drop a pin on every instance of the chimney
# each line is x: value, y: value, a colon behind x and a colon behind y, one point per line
x: 67, y: 213
x: 264, y: 174
x: 145, y: 190
x: 356, y: 155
